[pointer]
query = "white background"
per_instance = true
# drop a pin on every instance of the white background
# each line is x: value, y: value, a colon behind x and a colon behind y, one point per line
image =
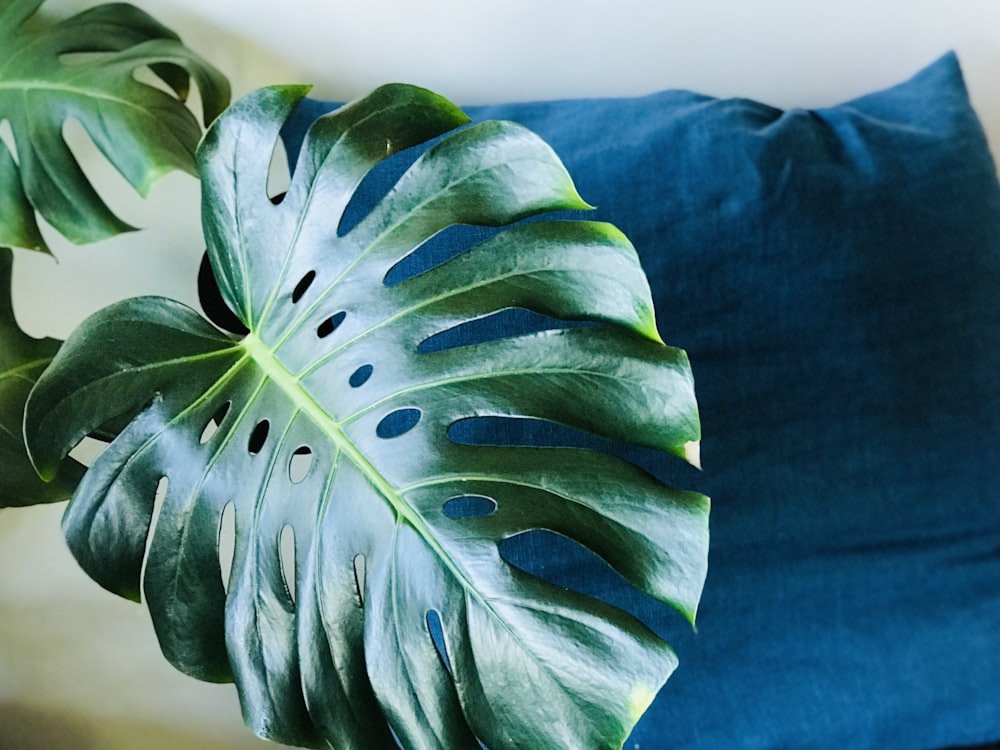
x: 79, y: 668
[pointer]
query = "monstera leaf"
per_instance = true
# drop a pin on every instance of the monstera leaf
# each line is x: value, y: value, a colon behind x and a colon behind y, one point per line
x: 330, y: 422
x: 143, y: 130
x: 22, y: 359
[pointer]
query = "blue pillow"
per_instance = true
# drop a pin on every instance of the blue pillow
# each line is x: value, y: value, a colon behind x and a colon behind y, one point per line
x: 834, y: 275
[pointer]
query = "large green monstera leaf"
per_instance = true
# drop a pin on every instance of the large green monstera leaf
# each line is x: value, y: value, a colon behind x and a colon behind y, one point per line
x: 330, y: 422
x: 143, y: 130
x: 22, y: 359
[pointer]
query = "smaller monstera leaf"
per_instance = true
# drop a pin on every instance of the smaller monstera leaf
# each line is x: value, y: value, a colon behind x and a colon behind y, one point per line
x: 22, y: 359
x: 331, y: 421
x: 142, y: 129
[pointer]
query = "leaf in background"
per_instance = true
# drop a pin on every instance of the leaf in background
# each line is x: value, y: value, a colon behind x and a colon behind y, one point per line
x: 22, y: 359
x: 329, y: 423
x: 143, y: 130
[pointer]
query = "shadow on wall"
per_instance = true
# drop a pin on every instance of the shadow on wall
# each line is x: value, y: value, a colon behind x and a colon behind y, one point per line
x: 32, y: 728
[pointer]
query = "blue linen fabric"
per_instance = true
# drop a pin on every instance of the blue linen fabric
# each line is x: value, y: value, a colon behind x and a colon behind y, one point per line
x: 834, y: 275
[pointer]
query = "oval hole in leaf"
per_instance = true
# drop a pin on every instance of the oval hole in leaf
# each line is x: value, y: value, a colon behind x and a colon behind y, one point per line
x: 158, y: 76
x: 568, y: 564
x: 521, y: 431
x: 360, y: 376
x: 286, y: 555
x: 507, y: 323
x: 212, y: 426
x: 330, y: 325
x: 303, y: 286
x: 443, y: 246
x: 542, y: 433
x: 159, y: 497
x: 258, y: 437
x: 359, y: 578
x: 300, y: 464
x: 227, y: 542
x: 397, y: 423
x: 7, y: 139
x: 375, y: 184
x: 437, y: 637
x: 470, y: 506
x: 278, y: 173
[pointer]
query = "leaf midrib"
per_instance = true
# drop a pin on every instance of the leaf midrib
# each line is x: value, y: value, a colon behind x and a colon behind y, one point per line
x: 291, y: 386
x: 27, y: 87
x: 22, y: 370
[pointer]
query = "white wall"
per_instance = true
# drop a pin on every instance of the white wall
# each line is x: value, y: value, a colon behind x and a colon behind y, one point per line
x: 76, y: 663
